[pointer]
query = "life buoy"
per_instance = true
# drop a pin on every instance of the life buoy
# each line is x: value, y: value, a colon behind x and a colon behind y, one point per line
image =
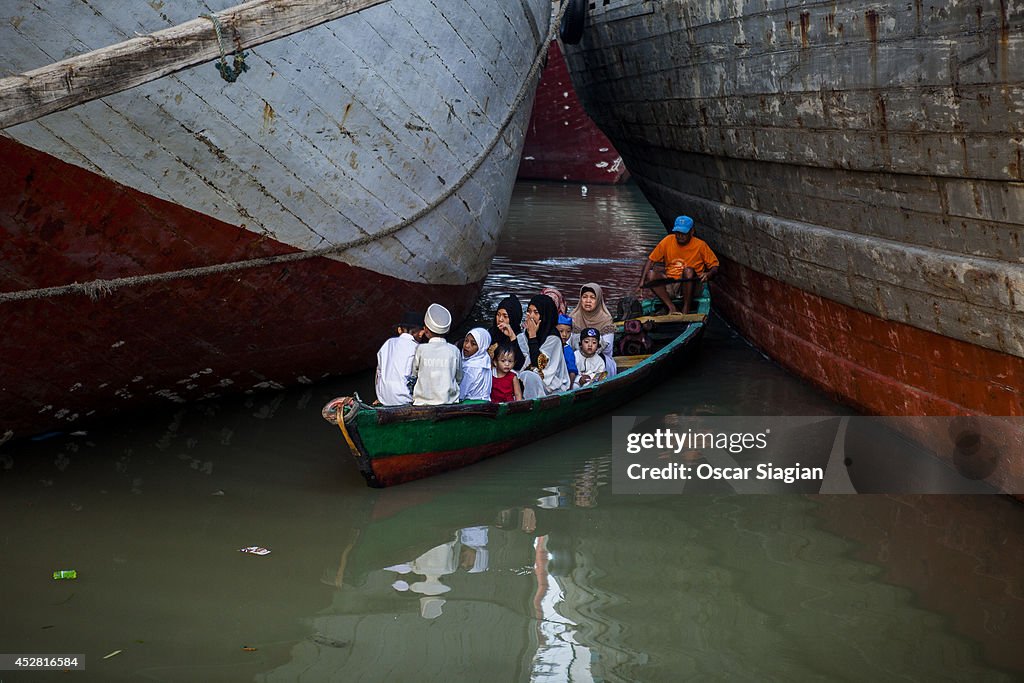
x: 571, y: 28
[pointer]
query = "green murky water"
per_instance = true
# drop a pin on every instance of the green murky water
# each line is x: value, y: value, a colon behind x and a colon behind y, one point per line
x: 524, y: 567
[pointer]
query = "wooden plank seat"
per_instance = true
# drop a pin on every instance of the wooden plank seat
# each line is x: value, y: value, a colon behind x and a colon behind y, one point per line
x: 670, y: 318
x: 625, y: 362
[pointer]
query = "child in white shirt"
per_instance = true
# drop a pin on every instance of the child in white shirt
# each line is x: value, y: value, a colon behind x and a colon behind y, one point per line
x: 394, y: 362
x: 589, y: 361
x: 476, y: 366
x: 438, y: 364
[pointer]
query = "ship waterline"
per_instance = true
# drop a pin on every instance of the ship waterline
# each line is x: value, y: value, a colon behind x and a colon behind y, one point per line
x: 189, y: 237
x: 857, y: 166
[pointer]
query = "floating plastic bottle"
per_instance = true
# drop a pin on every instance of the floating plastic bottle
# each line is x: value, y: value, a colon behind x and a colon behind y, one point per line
x: 65, y: 574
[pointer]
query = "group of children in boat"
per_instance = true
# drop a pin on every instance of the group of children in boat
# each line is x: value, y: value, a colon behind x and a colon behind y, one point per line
x: 545, y: 351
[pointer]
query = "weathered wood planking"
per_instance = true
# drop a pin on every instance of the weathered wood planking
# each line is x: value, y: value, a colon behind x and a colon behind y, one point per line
x: 333, y: 133
x: 869, y: 154
x: 125, y: 65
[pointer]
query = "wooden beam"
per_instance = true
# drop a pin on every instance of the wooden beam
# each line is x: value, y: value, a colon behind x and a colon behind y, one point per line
x: 110, y: 70
x: 670, y: 318
x: 623, y: 362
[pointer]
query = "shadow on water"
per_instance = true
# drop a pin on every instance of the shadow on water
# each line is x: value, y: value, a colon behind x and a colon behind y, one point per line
x: 524, y: 567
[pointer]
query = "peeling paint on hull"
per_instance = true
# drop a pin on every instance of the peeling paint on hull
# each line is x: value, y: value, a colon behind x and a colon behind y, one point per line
x: 68, y: 357
x: 858, y: 162
x: 395, y: 131
x: 879, y: 366
x: 858, y: 167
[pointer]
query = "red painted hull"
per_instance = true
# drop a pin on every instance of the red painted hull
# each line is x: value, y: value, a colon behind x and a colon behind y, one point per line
x: 66, y: 357
x: 400, y: 469
x: 562, y: 142
x: 879, y: 366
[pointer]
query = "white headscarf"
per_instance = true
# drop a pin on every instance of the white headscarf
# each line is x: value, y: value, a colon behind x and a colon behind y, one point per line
x: 476, y: 370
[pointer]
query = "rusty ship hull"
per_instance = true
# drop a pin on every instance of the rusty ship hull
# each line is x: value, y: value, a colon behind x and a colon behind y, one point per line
x: 191, y: 237
x: 858, y: 167
x: 562, y: 143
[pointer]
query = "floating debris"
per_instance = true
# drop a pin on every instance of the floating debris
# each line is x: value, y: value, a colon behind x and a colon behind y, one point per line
x: 321, y: 639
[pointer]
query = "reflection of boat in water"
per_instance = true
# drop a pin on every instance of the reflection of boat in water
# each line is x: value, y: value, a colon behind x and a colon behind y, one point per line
x: 392, y: 445
x: 963, y: 549
x: 700, y: 584
x: 188, y: 237
x: 450, y: 589
x: 858, y: 168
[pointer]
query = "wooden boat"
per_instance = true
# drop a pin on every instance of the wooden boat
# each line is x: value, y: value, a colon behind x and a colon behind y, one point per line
x: 161, y: 224
x: 393, y: 445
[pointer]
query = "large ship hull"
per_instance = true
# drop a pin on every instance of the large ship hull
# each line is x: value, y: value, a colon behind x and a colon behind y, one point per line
x: 858, y: 169
x: 562, y: 142
x: 191, y: 237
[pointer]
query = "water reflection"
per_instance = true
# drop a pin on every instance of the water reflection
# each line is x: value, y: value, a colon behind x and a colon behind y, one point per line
x: 556, y: 237
x: 576, y: 588
x: 735, y: 587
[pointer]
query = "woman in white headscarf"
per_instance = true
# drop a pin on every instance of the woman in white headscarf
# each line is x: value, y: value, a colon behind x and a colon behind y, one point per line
x: 476, y: 366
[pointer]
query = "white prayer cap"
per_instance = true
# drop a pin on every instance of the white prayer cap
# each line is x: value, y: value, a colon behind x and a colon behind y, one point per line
x: 438, y: 320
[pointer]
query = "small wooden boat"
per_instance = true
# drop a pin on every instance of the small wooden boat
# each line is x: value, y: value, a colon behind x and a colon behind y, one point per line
x: 393, y: 445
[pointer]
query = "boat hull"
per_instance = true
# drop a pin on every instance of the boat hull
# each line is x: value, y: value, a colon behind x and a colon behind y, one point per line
x: 861, y: 182
x: 562, y: 142
x: 396, y: 445
x: 189, y: 237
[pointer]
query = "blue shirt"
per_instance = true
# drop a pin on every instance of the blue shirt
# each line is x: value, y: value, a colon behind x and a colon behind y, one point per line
x: 570, y: 358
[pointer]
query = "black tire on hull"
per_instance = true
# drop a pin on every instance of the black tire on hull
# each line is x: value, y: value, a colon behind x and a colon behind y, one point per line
x: 571, y: 28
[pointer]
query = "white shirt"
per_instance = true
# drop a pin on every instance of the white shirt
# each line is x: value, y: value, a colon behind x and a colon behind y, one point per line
x: 477, y: 374
x: 394, y: 366
x: 607, y: 349
x: 438, y: 370
x: 556, y: 373
x: 589, y: 368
